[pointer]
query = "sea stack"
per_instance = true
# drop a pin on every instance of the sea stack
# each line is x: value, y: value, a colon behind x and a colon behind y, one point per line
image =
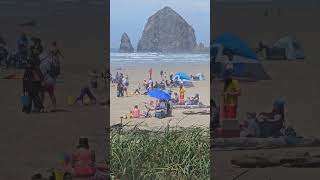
x: 126, y: 46
x: 166, y: 31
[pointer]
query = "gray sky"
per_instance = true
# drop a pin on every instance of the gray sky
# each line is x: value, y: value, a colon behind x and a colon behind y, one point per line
x: 131, y: 15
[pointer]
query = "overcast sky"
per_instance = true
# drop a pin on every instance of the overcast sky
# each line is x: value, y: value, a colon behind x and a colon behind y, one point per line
x: 131, y: 15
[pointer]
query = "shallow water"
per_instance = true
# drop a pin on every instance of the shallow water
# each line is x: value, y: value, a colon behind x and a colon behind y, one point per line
x: 157, y: 58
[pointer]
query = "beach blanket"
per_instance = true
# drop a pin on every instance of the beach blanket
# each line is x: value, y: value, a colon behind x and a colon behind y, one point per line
x: 190, y: 106
x: 194, y: 112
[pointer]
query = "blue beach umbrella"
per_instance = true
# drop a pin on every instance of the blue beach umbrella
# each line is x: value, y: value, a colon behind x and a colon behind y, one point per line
x: 236, y: 46
x: 159, y: 94
x: 183, y: 75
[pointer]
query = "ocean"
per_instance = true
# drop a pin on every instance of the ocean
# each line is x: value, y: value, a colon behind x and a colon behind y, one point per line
x: 157, y: 58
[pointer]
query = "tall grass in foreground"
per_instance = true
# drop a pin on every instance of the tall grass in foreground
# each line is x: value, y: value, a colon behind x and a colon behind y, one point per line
x: 171, y: 153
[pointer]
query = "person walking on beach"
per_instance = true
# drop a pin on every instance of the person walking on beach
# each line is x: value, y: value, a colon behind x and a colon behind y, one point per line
x: 119, y: 89
x: 230, y: 94
x: 125, y: 83
x: 31, y: 84
x: 86, y: 91
x: 161, y: 74
x: 47, y: 69
x: 150, y: 73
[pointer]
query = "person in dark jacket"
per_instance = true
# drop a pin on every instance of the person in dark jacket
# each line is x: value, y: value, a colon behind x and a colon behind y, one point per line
x: 32, y: 83
x: 36, y: 49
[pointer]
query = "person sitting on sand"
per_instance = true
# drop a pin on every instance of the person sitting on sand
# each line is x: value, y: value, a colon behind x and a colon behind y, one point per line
x: 162, y: 85
x: 271, y: 123
x: 83, y: 159
x: 138, y: 91
x: 188, y: 101
x: 86, y: 91
x: 136, y: 112
x: 195, y: 100
x: 156, y: 85
x: 175, y: 98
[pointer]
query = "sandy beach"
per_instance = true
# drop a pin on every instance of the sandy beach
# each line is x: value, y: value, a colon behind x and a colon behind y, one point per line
x: 136, y: 73
x: 296, y: 81
x: 36, y: 141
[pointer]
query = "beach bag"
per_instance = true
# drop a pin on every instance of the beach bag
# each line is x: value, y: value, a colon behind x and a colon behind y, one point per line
x: 25, y: 101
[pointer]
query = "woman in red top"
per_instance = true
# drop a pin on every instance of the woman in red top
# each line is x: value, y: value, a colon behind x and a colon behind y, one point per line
x: 136, y: 112
x: 83, y: 160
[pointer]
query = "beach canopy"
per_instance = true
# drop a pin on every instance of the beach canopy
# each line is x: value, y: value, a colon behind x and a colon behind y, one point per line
x: 182, y: 75
x: 159, y: 94
x: 246, y: 66
x: 293, y: 49
x: 236, y: 46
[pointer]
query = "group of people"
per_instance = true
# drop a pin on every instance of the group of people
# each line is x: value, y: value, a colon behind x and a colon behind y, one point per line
x: 42, y: 69
x: 122, y: 84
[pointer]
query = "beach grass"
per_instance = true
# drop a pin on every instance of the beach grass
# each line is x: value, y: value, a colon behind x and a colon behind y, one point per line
x: 168, y: 153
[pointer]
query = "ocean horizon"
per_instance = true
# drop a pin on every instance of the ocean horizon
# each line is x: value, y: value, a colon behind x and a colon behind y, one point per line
x: 117, y: 58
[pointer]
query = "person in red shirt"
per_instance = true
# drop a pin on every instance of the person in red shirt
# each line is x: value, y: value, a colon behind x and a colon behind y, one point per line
x: 83, y: 160
x: 136, y: 112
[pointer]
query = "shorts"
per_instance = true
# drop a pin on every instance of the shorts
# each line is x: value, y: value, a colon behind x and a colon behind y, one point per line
x: 229, y: 111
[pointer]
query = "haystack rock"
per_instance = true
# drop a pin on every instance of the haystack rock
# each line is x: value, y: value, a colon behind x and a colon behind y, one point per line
x: 126, y: 46
x: 167, y: 31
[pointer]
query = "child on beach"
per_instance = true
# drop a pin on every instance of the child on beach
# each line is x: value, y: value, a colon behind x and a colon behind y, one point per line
x: 86, y: 91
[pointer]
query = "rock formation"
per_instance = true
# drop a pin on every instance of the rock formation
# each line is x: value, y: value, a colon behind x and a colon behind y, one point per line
x: 126, y: 46
x: 167, y: 31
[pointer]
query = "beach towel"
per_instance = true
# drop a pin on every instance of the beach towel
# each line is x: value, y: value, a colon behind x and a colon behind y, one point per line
x: 190, y: 106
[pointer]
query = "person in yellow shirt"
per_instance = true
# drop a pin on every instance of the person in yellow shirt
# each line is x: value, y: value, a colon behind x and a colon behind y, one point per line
x: 231, y: 92
x: 182, y: 91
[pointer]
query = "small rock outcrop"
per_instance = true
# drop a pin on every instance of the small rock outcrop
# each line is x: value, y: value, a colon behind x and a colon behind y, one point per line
x: 166, y: 31
x: 125, y: 45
